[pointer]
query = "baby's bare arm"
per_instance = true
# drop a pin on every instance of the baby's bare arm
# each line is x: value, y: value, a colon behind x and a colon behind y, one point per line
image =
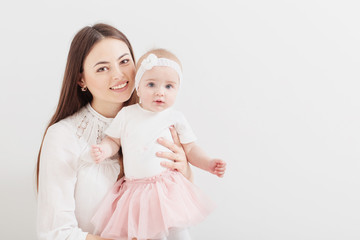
x: 108, y: 147
x: 197, y: 157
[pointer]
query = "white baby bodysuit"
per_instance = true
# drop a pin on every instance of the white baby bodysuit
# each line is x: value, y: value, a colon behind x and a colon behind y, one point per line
x: 138, y: 130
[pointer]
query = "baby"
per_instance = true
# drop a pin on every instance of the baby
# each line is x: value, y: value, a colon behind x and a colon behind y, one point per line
x: 151, y: 202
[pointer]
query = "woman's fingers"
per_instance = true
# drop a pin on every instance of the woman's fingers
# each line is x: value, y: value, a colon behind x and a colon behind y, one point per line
x: 169, y: 165
x: 168, y: 155
x: 168, y: 144
x: 177, y: 155
x: 173, y: 146
x: 175, y: 136
x: 178, y: 166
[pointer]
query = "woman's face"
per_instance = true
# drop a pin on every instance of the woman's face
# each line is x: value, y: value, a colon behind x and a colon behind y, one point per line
x: 109, y: 73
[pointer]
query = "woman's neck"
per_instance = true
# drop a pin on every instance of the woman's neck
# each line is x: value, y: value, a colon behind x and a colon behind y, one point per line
x: 108, y: 110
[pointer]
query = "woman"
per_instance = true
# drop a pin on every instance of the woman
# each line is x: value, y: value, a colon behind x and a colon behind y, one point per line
x: 98, y: 82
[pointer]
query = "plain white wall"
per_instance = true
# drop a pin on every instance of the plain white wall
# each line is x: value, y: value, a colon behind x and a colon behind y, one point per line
x: 272, y: 87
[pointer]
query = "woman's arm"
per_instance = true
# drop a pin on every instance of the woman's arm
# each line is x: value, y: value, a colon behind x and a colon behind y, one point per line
x: 177, y: 155
x: 57, y: 180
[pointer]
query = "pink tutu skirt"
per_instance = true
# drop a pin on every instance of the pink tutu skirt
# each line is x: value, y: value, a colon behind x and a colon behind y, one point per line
x: 147, y: 208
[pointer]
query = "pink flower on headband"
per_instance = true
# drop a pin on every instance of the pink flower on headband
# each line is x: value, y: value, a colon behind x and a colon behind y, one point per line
x: 149, y: 62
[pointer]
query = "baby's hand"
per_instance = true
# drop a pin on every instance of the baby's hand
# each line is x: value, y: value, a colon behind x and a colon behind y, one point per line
x: 97, y: 153
x: 217, y: 167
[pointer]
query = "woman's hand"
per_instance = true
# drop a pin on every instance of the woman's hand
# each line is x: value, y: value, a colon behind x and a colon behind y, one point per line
x: 177, y: 155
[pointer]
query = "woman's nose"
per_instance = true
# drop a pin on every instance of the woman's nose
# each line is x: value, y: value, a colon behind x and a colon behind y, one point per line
x: 117, y: 73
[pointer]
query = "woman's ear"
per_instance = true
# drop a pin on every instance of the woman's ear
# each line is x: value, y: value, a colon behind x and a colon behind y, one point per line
x: 81, y: 81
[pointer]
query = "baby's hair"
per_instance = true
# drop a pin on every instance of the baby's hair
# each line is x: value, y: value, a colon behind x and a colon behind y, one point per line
x: 160, y: 53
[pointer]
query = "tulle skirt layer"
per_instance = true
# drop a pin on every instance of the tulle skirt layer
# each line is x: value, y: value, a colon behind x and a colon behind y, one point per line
x: 147, y: 208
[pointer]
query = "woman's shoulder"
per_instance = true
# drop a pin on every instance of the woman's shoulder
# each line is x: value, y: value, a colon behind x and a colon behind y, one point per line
x: 64, y: 135
x: 63, y: 129
x: 70, y: 124
x: 67, y: 124
x: 85, y: 126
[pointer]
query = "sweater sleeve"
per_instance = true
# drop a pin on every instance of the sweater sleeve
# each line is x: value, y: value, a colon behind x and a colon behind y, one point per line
x: 57, y: 180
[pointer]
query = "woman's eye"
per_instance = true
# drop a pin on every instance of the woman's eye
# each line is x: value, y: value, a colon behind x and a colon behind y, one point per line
x: 102, y: 69
x: 150, y: 84
x: 169, y: 86
x: 124, y: 61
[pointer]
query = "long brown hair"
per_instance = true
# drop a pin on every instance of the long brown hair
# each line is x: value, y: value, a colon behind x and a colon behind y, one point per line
x: 71, y: 97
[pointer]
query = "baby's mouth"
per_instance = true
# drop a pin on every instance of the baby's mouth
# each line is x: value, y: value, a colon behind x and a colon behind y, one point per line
x: 119, y: 86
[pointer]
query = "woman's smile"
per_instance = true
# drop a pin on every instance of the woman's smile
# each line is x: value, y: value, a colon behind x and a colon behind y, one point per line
x: 121, y: 86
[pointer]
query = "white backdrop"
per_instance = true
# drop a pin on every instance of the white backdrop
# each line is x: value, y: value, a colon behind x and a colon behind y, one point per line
x: 272, y: 87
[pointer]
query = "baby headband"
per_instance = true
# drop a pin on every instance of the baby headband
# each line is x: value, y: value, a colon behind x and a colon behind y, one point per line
x: 153, y: 61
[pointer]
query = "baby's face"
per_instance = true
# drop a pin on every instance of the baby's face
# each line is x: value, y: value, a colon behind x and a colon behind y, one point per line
x: 158, y: 88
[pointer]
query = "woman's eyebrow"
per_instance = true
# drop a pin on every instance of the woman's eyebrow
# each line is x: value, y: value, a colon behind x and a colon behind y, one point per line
x: 105, y: 62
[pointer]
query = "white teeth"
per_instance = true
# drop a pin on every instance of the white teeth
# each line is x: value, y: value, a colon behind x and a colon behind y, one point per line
x: 119, y: 86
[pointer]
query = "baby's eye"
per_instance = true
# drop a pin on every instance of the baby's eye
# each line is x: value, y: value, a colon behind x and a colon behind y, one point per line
x: 150, y: 84
x: 169, y: 86
x: 102, y: 69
